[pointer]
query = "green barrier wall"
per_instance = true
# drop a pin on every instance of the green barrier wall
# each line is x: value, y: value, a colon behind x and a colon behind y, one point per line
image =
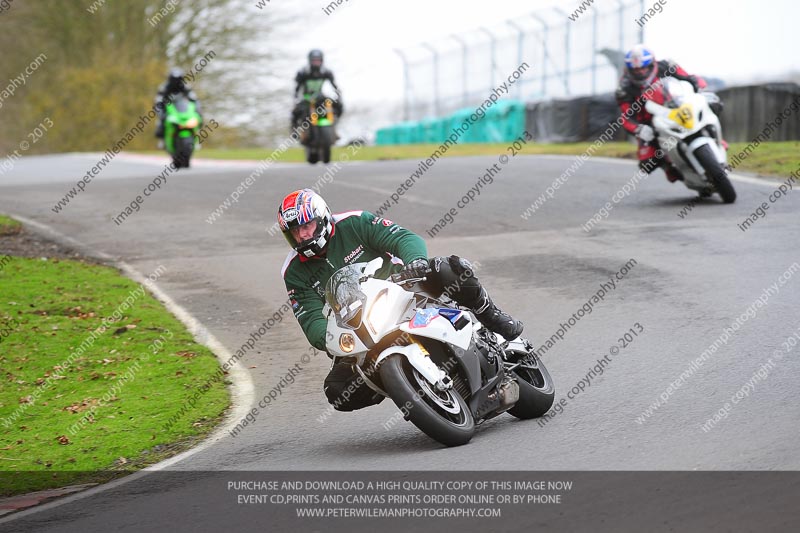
x: 504, y: 121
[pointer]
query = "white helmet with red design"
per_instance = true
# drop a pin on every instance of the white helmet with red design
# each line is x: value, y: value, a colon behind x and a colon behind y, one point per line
x: 640, y: 64
x: 304, y: 207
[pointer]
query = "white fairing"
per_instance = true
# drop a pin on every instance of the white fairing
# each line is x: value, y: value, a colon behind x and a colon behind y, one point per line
x: 675, y: 124
x: 441, y: 329
x: 388, y: 308
x: 417, y: 358
x: 385, y: 302
x: 335, y: 333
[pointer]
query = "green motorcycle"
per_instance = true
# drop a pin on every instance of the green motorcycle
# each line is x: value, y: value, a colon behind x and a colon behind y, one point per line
x: 321, y: 135
x: 180, y: 129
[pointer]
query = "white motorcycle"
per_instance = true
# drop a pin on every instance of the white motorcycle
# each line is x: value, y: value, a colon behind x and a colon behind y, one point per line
x: 690, y: 134
x: 439, y: 365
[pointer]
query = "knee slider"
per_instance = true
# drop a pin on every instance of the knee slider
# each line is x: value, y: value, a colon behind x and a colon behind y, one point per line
x: 442, y: 274
x: 460, y: 265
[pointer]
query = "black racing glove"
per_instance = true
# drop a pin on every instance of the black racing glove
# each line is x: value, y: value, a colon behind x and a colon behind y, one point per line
x: 418, y: 268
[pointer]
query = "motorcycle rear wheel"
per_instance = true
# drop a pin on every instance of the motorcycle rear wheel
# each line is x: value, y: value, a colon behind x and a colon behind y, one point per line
x: 442, y: 415
x: 536, y: 389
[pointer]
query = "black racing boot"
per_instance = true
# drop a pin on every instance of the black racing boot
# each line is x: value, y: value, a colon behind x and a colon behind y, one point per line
x: 495, y: 320
x: 673, y: 173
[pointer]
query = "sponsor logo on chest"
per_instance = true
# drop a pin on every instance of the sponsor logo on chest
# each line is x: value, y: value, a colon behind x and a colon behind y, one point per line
x: 355, y: 254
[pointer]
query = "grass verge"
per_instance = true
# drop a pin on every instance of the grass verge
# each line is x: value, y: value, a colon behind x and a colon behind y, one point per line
x: 417, y: 151
x: 81, y: 402
x: 770, y: 159
x: 9, y: 226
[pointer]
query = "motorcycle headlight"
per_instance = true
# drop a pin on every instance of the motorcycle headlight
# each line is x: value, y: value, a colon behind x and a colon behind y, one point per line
x: 347, y: 342
x: 191, y: 123
x: 378, y: 313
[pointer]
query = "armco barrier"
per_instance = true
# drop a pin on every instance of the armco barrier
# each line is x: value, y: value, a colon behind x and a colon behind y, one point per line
x: 749, y: 109
x: 575, y: 120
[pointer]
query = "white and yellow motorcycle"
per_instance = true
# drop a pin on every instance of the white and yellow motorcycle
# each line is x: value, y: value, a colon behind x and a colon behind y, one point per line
x: 690, y: 134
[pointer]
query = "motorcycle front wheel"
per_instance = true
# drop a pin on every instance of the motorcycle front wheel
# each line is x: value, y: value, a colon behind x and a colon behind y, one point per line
x: 716, y: 173
x: 325, y: 143
x: 183, y: 151
x: 442, y: 415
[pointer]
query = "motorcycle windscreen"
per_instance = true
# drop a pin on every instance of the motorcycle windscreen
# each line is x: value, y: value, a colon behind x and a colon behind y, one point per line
x: 181, y: 103
x: 343, y: 294
x: 676, y: 91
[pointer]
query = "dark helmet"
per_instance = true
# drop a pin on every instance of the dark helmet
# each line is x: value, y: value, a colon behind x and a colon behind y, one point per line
x: 175, y: 81
x: 315, y: 60
x: 300, y: 208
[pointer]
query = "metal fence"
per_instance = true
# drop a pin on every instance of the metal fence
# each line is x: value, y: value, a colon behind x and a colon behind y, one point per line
x: 569, y: 54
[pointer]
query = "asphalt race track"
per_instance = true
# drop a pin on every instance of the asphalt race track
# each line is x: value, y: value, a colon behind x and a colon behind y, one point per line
x: 691, y: 278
